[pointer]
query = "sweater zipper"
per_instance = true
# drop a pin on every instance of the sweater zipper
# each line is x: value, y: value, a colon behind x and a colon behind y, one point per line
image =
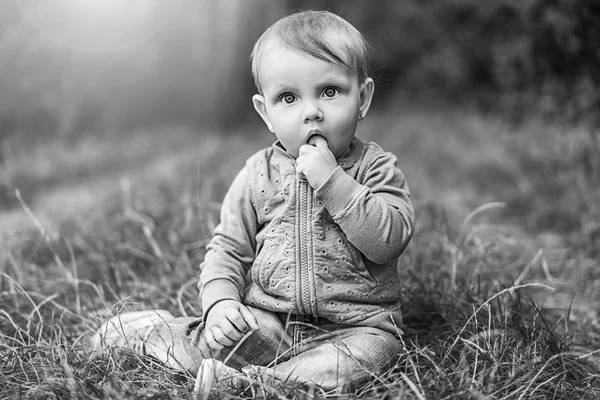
x: 304, y: 243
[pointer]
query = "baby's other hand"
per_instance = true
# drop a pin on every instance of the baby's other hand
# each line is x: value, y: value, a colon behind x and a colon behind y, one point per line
x: 226, y: 323
x: 316, y: 161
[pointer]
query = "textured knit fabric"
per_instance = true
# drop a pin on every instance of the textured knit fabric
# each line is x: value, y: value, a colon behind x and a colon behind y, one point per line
x: 332, y: 252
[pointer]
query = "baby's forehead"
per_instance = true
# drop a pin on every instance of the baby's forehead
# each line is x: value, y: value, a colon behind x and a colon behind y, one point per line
x: 276, y: 47
x: 283, y: 66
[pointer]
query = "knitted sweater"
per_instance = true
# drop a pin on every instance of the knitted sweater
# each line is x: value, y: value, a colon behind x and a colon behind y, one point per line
x: 330, y: 252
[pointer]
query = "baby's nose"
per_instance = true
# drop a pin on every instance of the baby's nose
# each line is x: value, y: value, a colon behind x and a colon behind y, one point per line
x: 312, y: 112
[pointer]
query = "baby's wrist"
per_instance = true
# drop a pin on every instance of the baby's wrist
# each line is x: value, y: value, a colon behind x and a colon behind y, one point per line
x: 216, y: 305
x: 325, y: 174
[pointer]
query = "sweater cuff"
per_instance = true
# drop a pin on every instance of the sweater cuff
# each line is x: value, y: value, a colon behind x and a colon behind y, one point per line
x: 216, y: 291
x: 338, y: 191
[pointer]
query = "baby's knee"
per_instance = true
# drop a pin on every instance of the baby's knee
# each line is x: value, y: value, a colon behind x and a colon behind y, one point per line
x: 378, y: 349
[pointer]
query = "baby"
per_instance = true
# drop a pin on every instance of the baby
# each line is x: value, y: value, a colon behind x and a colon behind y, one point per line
x: 299, y: 282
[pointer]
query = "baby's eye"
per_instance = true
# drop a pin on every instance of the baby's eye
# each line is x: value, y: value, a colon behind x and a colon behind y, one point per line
x: 287, y: 98
x: 331, y: 91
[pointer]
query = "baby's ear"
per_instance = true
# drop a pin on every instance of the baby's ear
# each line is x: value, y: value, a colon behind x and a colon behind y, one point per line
x: 260, y: 107
x: 367, y: 88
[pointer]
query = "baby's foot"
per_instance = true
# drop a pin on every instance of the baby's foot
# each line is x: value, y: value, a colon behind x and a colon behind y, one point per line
x: 214, y: 373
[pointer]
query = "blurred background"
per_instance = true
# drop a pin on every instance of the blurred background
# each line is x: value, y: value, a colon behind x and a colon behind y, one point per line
x: 91, y: 90
x: 71, y: 67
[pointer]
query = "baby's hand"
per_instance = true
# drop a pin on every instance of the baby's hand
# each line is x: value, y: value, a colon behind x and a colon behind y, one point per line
x: 315, y: 161
x: 227, y: 322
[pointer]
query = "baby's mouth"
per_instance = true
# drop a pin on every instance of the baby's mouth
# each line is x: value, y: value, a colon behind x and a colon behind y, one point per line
x: 312, y: 135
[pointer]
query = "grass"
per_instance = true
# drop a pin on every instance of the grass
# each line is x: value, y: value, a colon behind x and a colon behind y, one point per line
x: 500, y: 281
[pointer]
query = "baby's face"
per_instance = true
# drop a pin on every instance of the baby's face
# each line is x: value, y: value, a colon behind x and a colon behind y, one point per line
x: 303, y: 95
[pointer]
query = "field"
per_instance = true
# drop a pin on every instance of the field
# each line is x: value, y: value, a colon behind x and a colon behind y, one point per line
x: 501, y: 280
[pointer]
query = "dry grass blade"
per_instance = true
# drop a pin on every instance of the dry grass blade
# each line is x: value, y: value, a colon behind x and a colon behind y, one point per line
x: 27, y: 296
x: 482, y: 208
x: 42, y: 232
x: 180, y: 293
x: 36, y: 309
x: 488, y: 301
x: 147, y: 226
x: 528, y: 267
x: 412, y: 386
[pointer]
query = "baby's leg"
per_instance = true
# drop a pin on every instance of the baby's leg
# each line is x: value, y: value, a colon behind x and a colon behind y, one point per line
x: 339, y: 359
x: 331, y: 359
x: 179, y: 343
x: 155, y: 333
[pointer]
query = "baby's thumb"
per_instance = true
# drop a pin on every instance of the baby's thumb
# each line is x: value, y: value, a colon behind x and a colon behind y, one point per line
x: 318, y: 141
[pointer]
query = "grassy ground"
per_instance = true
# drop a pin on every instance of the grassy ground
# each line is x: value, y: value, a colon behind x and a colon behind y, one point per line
x: 501, y: 279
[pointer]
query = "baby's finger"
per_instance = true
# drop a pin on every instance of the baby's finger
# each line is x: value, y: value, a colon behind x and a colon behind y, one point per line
x: 231, y: 332
x: 249, y: 318
x: 211, y: 342
x: 221, y: 338
x: 305, y: 149
x: 237, y: 320
x: 318, y: 141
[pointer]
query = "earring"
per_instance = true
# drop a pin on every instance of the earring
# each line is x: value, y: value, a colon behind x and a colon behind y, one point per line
x: 361, y: 116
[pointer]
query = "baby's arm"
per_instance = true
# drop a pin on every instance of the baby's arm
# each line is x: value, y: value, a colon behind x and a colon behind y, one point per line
x: 229, y: 255
x: 376, y: 215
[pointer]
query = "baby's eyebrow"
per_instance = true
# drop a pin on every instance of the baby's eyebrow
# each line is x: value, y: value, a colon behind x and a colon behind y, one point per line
x: 284, y: 88
x: 279, y: 90
x: 333, y: 81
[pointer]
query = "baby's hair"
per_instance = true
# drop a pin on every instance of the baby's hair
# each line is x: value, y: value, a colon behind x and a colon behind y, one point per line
x: 320, y: 34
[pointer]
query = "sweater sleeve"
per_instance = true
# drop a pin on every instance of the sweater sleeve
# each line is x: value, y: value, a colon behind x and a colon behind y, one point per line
x: 376, y: 215
x: 231, y: 250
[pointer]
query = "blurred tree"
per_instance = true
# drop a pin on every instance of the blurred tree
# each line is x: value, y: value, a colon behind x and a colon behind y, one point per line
x: 565, y: 36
